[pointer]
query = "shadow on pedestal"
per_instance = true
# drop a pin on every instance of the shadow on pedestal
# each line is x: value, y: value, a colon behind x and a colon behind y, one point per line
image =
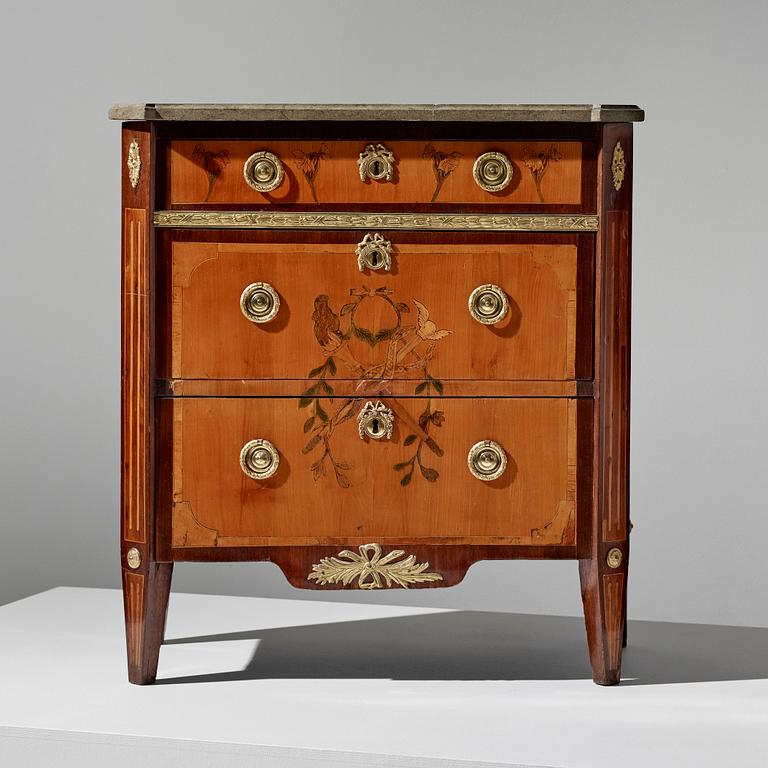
x: 469, y: 645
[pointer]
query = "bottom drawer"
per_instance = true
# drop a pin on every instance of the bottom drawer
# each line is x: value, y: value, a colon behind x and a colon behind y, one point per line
x: 332, y: 486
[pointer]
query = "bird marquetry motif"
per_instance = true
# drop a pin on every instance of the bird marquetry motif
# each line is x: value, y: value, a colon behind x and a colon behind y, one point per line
x: 373, y: 356
x: 326, y: 323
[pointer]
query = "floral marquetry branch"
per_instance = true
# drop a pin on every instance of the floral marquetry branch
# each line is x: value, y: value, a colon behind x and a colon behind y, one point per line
x: 213, y: 164
x: 537, y: 162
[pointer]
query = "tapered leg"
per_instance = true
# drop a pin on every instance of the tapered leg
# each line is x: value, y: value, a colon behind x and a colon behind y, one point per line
x: 603, y: 593
x: 626, y: 591
x: 145, y: 595
x: 624, y: 637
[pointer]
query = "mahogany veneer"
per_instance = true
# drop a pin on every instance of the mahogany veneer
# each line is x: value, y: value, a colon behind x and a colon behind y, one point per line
x: 373, y: 380
x: 545, y: 281
x: 214, y: 504
x: 337, y: 181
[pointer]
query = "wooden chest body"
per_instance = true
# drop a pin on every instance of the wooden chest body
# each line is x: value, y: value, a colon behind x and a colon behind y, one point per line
x: 375, y: 290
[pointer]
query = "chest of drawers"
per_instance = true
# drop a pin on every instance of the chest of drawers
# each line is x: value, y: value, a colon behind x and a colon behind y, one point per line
x: 374, y: 345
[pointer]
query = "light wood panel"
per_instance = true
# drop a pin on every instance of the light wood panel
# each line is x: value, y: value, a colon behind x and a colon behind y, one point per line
x: 326, y: 172
x: 332, y: 486
x: 136, y: 366
x: 422, y: 303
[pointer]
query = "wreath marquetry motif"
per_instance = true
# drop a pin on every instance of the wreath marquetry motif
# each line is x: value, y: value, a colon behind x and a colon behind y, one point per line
x: 404, y: 348
x: 371, y: 569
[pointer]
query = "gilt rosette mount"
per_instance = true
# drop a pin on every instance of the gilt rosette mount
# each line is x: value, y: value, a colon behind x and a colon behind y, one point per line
x: 133, y: 558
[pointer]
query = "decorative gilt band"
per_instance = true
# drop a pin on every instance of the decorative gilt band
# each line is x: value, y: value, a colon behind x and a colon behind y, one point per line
x: 438, y: 221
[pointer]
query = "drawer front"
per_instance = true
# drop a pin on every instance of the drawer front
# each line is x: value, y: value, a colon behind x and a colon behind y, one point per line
x: 328, y: 172
x: 412, y: 322
x: 331, y: 486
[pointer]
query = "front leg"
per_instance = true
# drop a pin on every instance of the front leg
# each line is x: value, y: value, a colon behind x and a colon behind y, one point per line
x: 145, y: 598
x: 603, y: 590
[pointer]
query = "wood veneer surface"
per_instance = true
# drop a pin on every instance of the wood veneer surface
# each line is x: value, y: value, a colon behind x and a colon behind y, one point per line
x: 424, y: 299
x: 350, y: 490
x: 326, y: 171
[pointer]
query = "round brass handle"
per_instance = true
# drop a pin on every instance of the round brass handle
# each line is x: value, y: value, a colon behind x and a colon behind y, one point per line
x: 259, y: 459
x: 375, y: 421
x: 487, y: 460
x: 376, y: 163
x: 259, y: 302
x: 493, y: 171
x: 488, y: 304
x: 263, y: 171
x: 374, y: 252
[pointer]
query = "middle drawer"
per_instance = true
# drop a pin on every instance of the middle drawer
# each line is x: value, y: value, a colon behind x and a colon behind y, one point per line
x: 377, y: 305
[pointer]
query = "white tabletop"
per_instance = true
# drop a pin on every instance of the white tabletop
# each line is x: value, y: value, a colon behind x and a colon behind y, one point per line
x: 291, y: 683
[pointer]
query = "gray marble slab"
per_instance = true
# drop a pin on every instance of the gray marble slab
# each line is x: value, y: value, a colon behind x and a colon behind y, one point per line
x: 562, y: 113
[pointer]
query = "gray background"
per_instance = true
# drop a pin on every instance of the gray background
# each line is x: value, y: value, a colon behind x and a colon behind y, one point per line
x: 699, y: 411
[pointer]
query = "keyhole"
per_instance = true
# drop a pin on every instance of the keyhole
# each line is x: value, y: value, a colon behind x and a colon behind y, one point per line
x: 375, y: 259
x: 376, y: 166
x: 375, y: 426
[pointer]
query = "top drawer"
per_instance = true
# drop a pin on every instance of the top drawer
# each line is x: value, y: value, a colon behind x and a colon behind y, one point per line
x: 482, y: 174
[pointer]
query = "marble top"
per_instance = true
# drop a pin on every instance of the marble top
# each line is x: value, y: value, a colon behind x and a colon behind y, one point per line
x: 562, y: 113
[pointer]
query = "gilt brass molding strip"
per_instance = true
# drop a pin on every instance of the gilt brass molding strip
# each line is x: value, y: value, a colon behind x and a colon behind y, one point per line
x: 483, y: 222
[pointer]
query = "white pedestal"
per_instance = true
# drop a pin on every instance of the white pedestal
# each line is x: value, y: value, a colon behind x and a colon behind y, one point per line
x: 289, y: 683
